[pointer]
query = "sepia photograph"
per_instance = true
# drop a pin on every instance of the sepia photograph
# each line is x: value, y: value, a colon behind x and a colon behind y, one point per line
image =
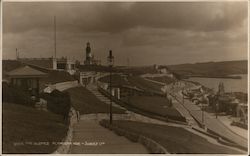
x: 124, y: 77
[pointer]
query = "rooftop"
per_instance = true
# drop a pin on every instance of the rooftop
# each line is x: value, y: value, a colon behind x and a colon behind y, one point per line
x: 25, y: 72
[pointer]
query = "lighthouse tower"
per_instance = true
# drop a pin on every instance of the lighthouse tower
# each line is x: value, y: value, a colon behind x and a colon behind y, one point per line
x: 88, y: 59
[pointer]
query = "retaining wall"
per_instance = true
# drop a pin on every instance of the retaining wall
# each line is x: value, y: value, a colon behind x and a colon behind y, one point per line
x: 64, y: 149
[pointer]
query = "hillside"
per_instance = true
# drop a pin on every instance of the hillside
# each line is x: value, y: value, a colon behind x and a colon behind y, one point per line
x: 211, y: 69
x: 24, y: 127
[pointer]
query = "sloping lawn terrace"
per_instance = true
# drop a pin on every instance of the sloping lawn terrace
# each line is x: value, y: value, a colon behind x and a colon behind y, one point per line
x: 145, y: 85
x: 163, y: 79
x: 116, y: 79
x: 22, y: 124
x: 86, y: 102
x: 174, y: 139
x: 55, y: 77
x: 155, y: 105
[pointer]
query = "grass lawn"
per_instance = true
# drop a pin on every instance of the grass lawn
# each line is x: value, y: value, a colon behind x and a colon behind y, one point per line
x: 23, y: 124
x: 86, y: 102
x: 163, y: 79
x: 174, y: 139
x: 116, y: 80
x: 155, y: 105
x: 55, y: 77
x: 145, y: 85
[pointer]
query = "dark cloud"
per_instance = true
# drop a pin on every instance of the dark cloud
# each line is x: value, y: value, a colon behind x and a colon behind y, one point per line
x: 131, y: 29
x: 116, y: 17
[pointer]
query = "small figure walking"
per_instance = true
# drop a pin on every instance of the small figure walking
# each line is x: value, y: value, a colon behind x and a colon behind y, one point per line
x: 78, y: 115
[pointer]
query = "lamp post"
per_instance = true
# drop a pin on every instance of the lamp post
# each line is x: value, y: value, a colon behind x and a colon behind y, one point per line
x: 202, y: 113
x: 182, y: 96
x: 110, y: 63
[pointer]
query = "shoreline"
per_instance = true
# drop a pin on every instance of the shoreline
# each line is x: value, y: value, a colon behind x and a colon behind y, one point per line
x: 220, y: 77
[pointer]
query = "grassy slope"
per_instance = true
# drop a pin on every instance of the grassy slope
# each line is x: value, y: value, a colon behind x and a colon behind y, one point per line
x: 154, y: 104
x: 55, y: 77
x: 211, y: 68
x: 163, y: 79
x: 140, y: 70
x: 86, y: 102
x: 144, y: 84
x: 174, y: 139
x: 22, y: 124
x: 116, y: 80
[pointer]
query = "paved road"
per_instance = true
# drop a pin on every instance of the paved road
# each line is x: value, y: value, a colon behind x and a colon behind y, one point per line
x: 212, y: 123
x: 209, y: 121
x: 179, y: 107
x: 95, y: 139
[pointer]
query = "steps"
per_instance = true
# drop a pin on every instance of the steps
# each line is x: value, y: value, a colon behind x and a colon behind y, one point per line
x: 93, y: 89
x: 129, y: 114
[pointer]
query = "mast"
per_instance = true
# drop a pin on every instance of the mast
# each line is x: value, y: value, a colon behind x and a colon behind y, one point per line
x: 55, y: 34
x: 16, y: 54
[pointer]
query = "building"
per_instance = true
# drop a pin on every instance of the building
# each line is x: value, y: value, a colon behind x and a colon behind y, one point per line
x: 27, y: 79
x: 87, y: 77
x: 62, y: 63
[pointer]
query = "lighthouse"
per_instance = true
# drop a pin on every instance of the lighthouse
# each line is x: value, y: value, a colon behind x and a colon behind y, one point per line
x: 88, y: 59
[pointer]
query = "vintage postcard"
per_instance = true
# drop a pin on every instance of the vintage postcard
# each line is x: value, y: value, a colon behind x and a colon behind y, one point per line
x: 124, y: 77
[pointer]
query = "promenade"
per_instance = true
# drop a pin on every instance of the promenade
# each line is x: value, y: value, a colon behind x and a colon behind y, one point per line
x: 211, y: 122
x: 192, y: 111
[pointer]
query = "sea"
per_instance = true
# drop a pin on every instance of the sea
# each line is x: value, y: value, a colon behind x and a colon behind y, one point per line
x: 230, y: 85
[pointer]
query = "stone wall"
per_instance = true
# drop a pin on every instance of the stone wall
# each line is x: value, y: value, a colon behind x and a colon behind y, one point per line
x: 65, y: 147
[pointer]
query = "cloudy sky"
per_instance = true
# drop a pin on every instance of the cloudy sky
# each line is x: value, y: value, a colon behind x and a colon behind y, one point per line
x: 144, y: 33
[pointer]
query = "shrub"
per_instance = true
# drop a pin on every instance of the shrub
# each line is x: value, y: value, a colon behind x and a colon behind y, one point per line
x: 16, y: 95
